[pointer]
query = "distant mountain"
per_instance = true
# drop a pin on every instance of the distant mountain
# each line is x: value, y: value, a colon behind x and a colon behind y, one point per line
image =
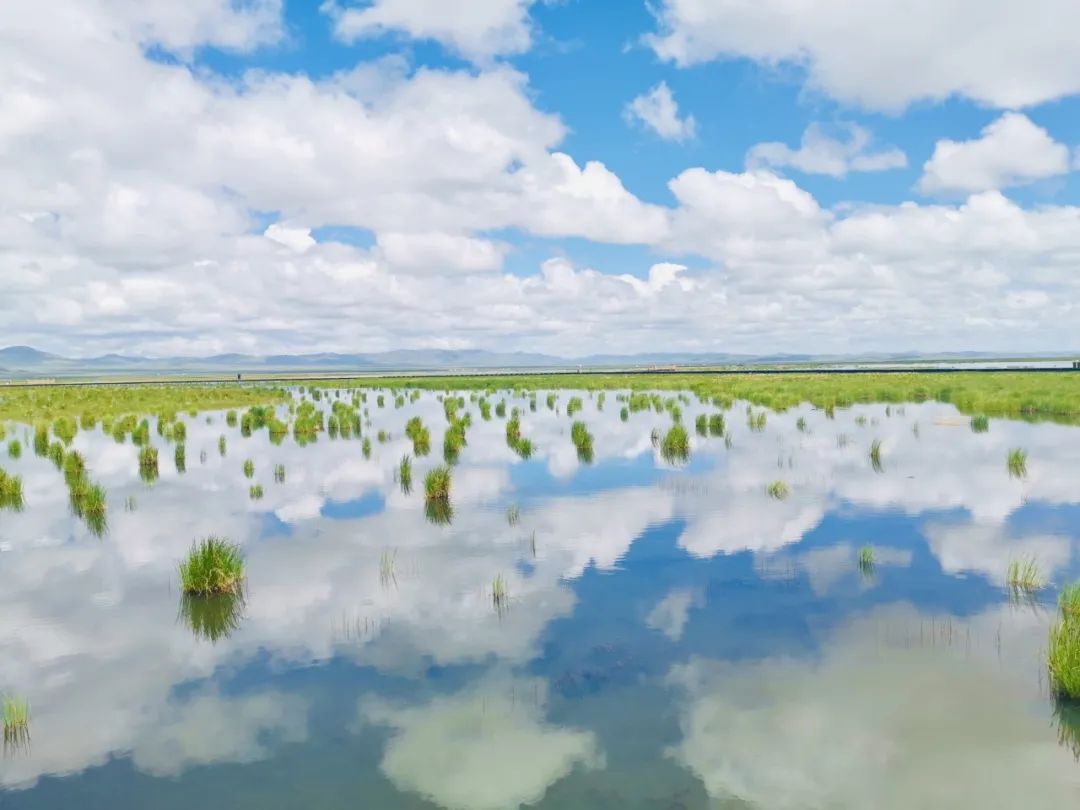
x: 24, y: 361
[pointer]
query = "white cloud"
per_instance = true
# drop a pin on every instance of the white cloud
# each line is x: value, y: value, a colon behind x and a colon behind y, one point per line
x: 484, y: 749
x: 478, y: 29
x: 1010, y: 151
x: 658, y: 111
x: 886, y: 55
x: 821, y: 153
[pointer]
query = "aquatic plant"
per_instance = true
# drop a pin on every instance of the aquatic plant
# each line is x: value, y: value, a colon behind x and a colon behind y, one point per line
x: 500, y: 409
x: 420, y: 435
x: 221, y: 445
x: 1063, y: 658
x: 230, y: 418
x: 388, y: 567
x: 249, y: 468
x: 255, y: 492
x: 624, y: 413
x: 453, y: 441
x: 11, y: 491
x: 675, y: 447
x: 800, y: 425
x: 16, y: 714
x: 866, y: 559
x: 583, y: 441
x: 716, y: 424
x: 213, y: 566
x: 875, y: 456
x: 14, y: 448
x: 1024, y: 575
x: 756, y: 420
x: 1017, y: 463
x: 438, y: 512
x: 701, y: 425
x: 148, y: 463
x: 212, y: 617
x: 437, y: 484
x: 180, y: 458
x: 405, y: 474
x: 980, y: 423
x: 499, y: 592
x: 56, y: 454
x: 1069, y: 599
x: 365, y: 447
x: 279, y: 473
x: 573, y: 405
x: 778, y: 490
x: 513, y: 514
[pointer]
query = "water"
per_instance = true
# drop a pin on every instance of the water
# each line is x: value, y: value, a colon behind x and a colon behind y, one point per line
x: 673, y: 637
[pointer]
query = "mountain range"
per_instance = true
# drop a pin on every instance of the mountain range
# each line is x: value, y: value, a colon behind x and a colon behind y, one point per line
x: 25, y: 361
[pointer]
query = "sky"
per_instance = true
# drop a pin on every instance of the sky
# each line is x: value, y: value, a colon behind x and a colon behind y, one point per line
x: 558, y: 176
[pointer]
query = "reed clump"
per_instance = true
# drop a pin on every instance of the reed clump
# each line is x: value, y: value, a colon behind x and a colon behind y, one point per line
x: 213, y: 566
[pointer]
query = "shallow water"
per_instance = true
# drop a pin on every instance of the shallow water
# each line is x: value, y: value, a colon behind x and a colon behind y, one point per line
x: 673, y: 637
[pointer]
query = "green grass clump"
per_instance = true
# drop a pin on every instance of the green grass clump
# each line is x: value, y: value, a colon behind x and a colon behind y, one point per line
x: 500, y: 594
x: 420, y: 435
x: 180, y: 458
x: 16, y: 714
x: 675, y: 447
x: 500, y: 409
x: 437, y: 484
x: 624, y: 414
x: 11, y: 491
x: 255, y: 492
x: 583, y: 441
x: 800, y: 425
x: 756, y: 420
x: 980, y: 423
x: 1063, y: 658
x: 875, y: 456
x: 514, y: 440
x: 454, y: 440
x: 1017, y: 463
x: 249, y: 468
x: 778, y: 490
x: 41, y: 440
x: 405, y: 474
x: 701, y: 425
x: 148, y: 463
x: 56, y: 454
x: 213, y: 566
x: 866, y: 559
x: 716, y: 424
x: 513, y: 514
x: 1025, y: 575
x: 1069, y: 600
x: 573, y: 405
x: 14, y: 448
x: 221, y: 447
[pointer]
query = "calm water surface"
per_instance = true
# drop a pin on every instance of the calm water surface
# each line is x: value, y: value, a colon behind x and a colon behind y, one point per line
x: 673, y: 637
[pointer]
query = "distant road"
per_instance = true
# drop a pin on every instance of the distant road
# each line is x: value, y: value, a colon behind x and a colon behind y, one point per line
x: 302, y: 377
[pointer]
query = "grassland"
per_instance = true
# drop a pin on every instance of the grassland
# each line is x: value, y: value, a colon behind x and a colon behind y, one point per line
x: 1026, y: 395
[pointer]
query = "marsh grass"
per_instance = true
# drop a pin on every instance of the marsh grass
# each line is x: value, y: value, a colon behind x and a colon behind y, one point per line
x: 1024, y: 575
x: 405, y: 474
x: 583, y: 441
x: 148, y: 463
x: 249, y: 468
x: 875, y: 456
x: 14, y: 448
x: 756, y: 421
x: 701, y: 425
x: 624, y: 414
x: 800, y: 425
x: 11, y: 492
x: 437, y: 484
x: 675, y: 447
x: 212, y: 617
x: 778, y: 490
x: 1063, y: 658
x: 279, y: 473
x: 213, y: 566
x: 500, y: 593
x: 1069, y: 600
x: 16, y: 714
x: 255, y: 492
x: 221, y: 445
x: 180, y: 458
x: 866, y: 559
x: 513, y: 514
x: 1017, y: 463
x: 980, y: 423
x: 388, y: 567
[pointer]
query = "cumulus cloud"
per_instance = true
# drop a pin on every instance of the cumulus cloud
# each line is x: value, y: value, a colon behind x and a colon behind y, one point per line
x: 885, y: 55
x: 657, y: 110
x: 479, y: 29
x: 822, y: 153
x: 1010, y: 151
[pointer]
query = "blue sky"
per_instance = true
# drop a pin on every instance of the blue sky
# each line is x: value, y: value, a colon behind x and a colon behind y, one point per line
x: 356, y: 175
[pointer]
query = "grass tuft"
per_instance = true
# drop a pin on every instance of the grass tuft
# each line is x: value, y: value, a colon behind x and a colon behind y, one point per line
x: 213, y: 566
x: 778, y: 490
x: 1017, y: 463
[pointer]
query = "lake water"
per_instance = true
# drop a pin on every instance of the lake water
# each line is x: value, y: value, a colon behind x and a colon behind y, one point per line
x: 673, y: 637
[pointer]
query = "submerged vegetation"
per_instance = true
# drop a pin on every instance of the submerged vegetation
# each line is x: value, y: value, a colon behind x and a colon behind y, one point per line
x: 1017, y: 463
